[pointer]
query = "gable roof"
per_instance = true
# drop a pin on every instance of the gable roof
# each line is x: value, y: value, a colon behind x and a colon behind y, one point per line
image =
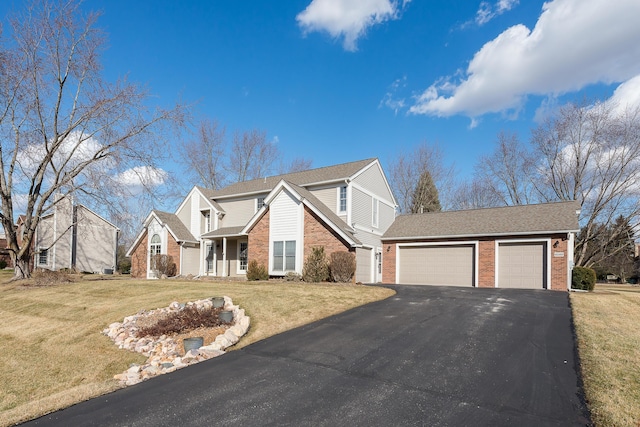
x: 333, y: 173
x: 312, y: 202
x: 177, y: 229
x: 509, y: 220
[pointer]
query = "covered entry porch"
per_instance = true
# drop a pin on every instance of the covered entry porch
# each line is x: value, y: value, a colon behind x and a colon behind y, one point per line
x: 223, y: 253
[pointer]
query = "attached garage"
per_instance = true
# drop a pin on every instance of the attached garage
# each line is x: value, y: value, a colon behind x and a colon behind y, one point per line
x: 522, y: 247
x: 437, y: 265
x: 522, y: 265
x: 363, y: 265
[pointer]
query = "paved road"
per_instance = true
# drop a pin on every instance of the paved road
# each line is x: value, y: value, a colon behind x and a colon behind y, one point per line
x: 427, y: 356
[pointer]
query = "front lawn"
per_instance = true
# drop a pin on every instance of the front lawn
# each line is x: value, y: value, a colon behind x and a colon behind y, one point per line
x: 608, y: 330
x: 53, y: 353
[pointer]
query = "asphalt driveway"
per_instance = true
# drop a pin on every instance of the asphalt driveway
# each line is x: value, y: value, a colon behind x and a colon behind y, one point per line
x: 427, y: 356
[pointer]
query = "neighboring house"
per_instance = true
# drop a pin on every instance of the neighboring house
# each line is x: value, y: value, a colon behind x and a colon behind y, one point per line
x: 73, y: 236
x: 528, y: 246
x: 274, y: 220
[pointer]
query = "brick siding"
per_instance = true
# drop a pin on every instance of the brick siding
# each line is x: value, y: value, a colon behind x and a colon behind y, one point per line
x: 173, y: 250
x: 317, y: 233
x: 258, y: 241
x: 139, y: 259
x: 559, y: 264
x: 486, y: 264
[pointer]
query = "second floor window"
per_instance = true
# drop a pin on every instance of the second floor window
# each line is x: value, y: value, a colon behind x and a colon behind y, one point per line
x: 260, y: 203
x: 374, y: 211
x: 343, y: 199
x: 207, y: 222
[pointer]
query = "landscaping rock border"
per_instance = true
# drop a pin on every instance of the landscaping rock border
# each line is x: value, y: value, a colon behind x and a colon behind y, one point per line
x: 163, y: 355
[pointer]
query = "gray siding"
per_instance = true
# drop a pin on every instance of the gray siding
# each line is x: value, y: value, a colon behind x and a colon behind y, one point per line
x: 190, y: 260
x: 96, y: 244
x: 328, y: 196
x: 361, y: 208
x: 238, y: 212
x: 373, y: 180
x: 185, y: 215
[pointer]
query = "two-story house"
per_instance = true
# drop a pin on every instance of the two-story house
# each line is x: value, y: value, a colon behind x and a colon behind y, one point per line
x: 72, y: 236
x: 275, y: 220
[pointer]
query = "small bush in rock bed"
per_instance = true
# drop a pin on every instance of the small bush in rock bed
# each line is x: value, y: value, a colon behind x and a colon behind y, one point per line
x: 583, y: 278
x: 342, y: 266
x: 188, y: 318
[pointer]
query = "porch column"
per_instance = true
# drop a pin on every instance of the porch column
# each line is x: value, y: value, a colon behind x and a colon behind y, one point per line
x: 214, y: 247
x: 224, y: 256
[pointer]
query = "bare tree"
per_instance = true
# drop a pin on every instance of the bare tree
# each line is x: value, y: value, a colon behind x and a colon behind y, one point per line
x: 252, y: 156
x: 405, y: 171
x: 508, y: 171
x: 204, y: 155
x: 298, y: 164
x: 64, y: 129
x: 474, y: 194
x: 592, y: 154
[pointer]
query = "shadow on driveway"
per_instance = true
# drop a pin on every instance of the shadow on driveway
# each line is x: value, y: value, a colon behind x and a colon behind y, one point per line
x: 427, y: 356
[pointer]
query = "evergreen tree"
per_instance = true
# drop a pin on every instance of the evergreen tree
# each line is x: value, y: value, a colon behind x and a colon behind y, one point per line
x: 425, y: 196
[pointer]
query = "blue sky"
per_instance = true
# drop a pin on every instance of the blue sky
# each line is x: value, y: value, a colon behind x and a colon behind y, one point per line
x: 340, y: 80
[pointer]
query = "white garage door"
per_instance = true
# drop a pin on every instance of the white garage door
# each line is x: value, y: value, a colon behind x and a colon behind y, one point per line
x: 522, y: 265
x: 436, y: 265
x: 363, y: 265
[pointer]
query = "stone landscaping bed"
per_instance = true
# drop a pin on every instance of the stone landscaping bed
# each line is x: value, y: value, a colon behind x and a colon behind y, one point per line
x: 166, y: 353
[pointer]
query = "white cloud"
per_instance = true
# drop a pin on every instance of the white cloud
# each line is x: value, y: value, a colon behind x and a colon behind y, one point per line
x: 626, y: 96
x: 347, y: 18
x: 486, y: 12
x: 139, y: 177
x: 574, y: 43
x: 391, y: 99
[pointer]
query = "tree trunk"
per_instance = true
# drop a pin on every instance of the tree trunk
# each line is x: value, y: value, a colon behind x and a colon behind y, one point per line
x: 22, y: 268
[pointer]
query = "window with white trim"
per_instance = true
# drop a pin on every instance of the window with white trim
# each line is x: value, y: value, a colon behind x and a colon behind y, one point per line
x: 342, y: 199
x: 243, y: 256
x: 374, y: 212
x: 43, y: 257
x: 154, y: 249
x: 259, y: 203
x: 284, y: 255
x: 207, y: 221
x: 209, y: 257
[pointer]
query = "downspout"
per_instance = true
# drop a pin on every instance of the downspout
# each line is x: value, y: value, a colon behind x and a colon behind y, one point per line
x: 74, y: 236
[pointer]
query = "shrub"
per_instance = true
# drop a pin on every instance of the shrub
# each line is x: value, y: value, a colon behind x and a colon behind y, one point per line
x: 164, y: 265
x: 257, y: 271
x: 315, y: 267
x: 3, y: 264
x: 182, y: 320
x: 342, y: 266
x: 583, y: 278
x: 292, y: 276
x: 49, y: 277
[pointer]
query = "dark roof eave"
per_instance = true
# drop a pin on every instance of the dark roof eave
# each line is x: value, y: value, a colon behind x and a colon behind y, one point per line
x: 459, y: 236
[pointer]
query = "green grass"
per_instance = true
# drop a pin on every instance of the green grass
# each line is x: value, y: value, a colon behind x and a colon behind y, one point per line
x: 54, y: 354
x: 608, y: 332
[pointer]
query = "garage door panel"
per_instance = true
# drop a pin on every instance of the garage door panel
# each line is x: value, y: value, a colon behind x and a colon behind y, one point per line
x: 363, y: 265
x: 522, y: 265
x: 437, y: 265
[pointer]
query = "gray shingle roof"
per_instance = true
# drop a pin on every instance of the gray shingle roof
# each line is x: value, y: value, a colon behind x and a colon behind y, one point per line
x: 178, y: 229
x: 225, y: 231
x: 328, y: 213
x: 312, y: 176
x: 209, y: 195
x: 517, y: 220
